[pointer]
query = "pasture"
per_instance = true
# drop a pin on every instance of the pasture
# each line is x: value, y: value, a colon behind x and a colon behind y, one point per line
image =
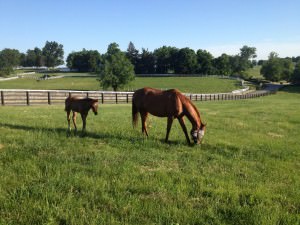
x: 184, y: 84
x: 245, y: 172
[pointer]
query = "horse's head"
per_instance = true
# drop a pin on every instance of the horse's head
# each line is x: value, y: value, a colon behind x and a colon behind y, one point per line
x: 198, y: 134
x: 95, y: 106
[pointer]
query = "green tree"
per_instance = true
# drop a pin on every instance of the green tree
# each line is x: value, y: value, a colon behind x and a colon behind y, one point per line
x: 243, y: 61
x: 9, y: 58
x: 223, y: 65
x: 146, y: 63
x: 116, y: 70
x: 205, y: 62
x: 133, y: 55
x: 34, y: 58
x: 53, y: 53
x: 296, y: 74
x: 166, y: 57
x: 186, y: 61
x: 84, y: 61
x: 274, y: 69
x: 287, y: 69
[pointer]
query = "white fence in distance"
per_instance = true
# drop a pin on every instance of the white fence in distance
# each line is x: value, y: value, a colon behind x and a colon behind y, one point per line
x: 41, y: 97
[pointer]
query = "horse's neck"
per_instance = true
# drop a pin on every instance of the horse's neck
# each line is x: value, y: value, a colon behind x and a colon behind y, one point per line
x: 193, y: 117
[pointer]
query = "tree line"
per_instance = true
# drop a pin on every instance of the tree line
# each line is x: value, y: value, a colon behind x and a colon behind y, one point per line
x: 163, y: 60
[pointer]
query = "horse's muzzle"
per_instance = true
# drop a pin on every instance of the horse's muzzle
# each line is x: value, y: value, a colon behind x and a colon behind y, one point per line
x: 96, y: 113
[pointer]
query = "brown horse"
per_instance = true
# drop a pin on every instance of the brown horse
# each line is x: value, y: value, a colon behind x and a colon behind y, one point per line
x: 82, y: 106
x: 171, y: 104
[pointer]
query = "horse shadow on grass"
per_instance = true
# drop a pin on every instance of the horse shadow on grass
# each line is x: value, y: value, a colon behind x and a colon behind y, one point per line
x: 134, y: 138
x: 64, y: 132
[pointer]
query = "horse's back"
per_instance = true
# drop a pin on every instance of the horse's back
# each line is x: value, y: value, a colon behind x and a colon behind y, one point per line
x: 157, y: 102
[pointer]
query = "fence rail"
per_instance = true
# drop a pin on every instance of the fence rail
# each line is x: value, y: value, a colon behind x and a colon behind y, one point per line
x: 39, y: 97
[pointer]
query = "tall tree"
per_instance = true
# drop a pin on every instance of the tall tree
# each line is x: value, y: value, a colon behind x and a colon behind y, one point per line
x: 132, y: 54
x: 205, y: 62
x: 165, y: 59
x: 276, y: 69
x: 296, y: 74
x: 84, y: 61
x: 242, y: 62
x: 116, y: 70
x: 222, y: 65
x: 53, y: 53
x: 146, y: 63
x: 34, y: 57
x: 186, y: 61
x: 9, y: 58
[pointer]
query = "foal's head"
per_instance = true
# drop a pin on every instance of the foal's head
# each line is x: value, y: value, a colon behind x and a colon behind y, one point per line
x: 94, y: 106
x: 197, y: 135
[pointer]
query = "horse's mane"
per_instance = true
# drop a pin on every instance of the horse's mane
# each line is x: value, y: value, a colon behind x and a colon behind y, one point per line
x: 183, y: 97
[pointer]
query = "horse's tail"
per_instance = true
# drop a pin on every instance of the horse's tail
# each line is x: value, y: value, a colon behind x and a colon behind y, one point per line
x: 67, y: 103
x: 135, y: 114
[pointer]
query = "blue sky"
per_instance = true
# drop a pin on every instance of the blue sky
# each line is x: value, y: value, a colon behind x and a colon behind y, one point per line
x: 216, y: 26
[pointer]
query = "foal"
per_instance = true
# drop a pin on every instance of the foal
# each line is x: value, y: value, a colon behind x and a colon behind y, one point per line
x: 82, y: 106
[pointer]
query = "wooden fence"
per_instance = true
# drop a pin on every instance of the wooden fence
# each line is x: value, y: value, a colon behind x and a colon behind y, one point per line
x: 39, y: 97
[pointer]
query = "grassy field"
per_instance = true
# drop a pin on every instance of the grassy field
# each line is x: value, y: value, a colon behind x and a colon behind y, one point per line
x: 185, y: 84
x: 254, y: 72
x: 246, y: 172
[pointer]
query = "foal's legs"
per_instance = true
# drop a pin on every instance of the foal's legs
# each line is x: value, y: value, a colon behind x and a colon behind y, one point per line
x: 83, y: 117
x: 181, y: 121
x: 68, y: 118
x: 144, y: 116
x: 74, y: 120
x: 170, y: 121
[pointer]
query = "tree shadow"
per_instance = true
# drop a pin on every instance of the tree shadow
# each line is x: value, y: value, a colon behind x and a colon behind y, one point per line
x: 295, y: 89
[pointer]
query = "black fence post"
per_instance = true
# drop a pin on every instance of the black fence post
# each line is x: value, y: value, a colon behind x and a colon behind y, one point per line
x: 127, y: 98
x: 2, y: 98
x: 102, y: 98
x: 116, y: 98
x: 27, y: 98
x: 49, y: 98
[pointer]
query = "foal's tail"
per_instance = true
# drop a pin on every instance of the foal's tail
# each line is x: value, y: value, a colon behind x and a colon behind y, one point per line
x: 67, y: 103
x: 135, y: 114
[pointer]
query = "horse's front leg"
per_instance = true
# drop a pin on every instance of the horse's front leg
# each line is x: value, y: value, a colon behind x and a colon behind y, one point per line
x: 181, y: 121
x: 74, y: 121
x: 170, y: 121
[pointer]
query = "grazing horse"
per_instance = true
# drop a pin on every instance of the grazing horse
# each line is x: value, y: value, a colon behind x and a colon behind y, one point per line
x: 82, y: 106
x: 171, y: 104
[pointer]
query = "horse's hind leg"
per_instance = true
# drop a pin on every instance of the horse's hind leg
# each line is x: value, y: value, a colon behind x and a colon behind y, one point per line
x: 170, y: 121
x: 83, y: 117
x: 74, y: 121
x: 144, y: 116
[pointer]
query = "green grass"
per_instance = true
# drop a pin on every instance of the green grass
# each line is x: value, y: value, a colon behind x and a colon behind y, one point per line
x: 254, y: 72
x: 185, y: 84
x: 246, y: 172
